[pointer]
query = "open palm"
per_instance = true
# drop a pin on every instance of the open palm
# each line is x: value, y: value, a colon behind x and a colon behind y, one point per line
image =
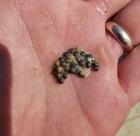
x: 36, y: 33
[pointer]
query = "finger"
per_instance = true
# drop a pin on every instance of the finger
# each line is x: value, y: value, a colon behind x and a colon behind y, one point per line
x: 129, y: 69
x: 106, y: 9
x: 129, y: 75
x: 115, y: 5
x: 129, y: 19
x: 110, y: 7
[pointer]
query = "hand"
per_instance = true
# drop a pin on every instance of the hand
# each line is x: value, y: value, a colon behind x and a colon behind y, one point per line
x: 35, y: 34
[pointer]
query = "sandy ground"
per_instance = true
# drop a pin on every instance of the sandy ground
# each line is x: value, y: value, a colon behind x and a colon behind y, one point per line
x: 132, y: 124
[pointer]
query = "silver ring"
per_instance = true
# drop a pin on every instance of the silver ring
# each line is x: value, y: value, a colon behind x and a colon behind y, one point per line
x: 121, y: 35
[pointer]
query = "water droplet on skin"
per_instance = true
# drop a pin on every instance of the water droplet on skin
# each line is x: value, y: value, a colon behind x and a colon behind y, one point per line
x: 102, y: 8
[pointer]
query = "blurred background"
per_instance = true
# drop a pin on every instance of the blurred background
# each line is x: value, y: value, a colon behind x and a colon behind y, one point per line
x: 131, y: 126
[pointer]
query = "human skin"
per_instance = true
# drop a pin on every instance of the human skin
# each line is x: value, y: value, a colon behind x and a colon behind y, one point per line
x: 36, y: 33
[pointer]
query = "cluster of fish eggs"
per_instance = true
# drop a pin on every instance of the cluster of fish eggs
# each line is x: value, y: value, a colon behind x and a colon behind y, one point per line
x: 74, y: 61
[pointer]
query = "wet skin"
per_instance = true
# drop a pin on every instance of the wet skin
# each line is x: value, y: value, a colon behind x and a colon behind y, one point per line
x: 36, y: 33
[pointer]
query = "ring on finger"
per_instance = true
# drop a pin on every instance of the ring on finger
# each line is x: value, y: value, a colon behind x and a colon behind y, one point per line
x: 120, y: 35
